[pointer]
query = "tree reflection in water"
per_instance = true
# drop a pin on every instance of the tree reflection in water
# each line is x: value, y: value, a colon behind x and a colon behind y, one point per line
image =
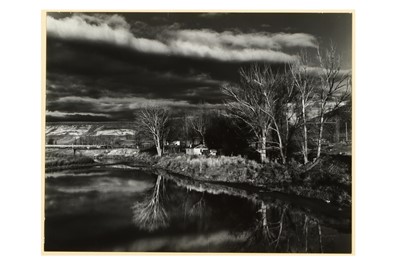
x: 150, y: 214
x: 198, y: 208
x: 282, y: 229
x: 279, y: 224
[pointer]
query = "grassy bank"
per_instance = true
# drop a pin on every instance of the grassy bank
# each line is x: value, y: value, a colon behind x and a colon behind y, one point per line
x: 62, y: 164
x: 329, y: 180
x: 65, y: 159
x: 222, y: 168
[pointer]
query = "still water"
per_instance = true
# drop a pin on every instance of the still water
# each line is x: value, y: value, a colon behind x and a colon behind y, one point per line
x: 121, y: 209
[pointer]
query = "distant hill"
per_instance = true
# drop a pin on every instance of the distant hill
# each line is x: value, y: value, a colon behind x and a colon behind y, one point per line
x: 88, y: 132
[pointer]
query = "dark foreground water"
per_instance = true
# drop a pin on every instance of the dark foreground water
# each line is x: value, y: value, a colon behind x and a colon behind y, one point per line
x: 116, y: 209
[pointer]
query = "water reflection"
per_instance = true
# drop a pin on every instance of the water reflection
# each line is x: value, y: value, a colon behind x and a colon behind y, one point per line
x: 125, y: 210
x: 281, y: 229
x: 198, y: 209
x: 278, y: 224
x: 150, y: 213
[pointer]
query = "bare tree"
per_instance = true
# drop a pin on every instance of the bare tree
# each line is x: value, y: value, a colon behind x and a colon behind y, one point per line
x: 257, y: 102
x: 304, y: 81
x: 199, y: 124
x: 334, y: 88
x: 154, y: 122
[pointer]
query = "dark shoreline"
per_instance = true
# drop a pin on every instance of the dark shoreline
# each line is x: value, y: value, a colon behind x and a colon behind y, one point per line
x: 328, y: 193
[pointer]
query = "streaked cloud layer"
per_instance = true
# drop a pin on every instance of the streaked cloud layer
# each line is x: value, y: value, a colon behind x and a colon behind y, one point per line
x: 104, y: 66
x: 204, y: 43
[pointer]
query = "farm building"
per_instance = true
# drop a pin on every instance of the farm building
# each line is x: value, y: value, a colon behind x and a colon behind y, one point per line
x: 198, y: 150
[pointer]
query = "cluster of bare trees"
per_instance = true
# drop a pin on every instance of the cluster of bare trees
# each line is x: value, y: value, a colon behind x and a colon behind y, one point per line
x: 259, y: 102
x: 156, y: 122
x: 273, y: 104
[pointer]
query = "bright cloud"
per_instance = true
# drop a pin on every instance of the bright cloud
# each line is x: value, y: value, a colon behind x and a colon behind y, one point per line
x: 223, y: 46
x: 113, y: 30
x: 64, y: 114
x: 247, y: 40
x: 109, y: 104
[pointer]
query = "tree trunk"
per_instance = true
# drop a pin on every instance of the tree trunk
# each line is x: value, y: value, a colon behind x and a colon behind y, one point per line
x: 287, y: 135
x: 263, y: 151
x: 263, y: 211
x: 281, y: 148
x: 305, y: 137
x: 321, y: 129
x: 158, y: 146
x: 156, y: 192
x: 282, y: 154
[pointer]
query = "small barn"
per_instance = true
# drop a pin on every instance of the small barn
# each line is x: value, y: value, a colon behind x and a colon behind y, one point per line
x: 213, y: 152
x: 198, y: 150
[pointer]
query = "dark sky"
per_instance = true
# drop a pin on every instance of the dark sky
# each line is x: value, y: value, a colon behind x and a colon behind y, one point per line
x: 104, y: 66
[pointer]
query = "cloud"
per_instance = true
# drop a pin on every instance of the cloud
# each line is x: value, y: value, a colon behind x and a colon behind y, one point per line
x: 320, y: 71
x: 65, y: 114
x: 108, y: 107
x: 140, y: 81
x: 270, y: 41
x: 214, y: 51
x: 110, y: 29
x: 208, y: 44
x: 114, y: 104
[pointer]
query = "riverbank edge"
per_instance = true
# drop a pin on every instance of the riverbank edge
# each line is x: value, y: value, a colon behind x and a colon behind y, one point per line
x: 282, y: 182
x: 280, y: 177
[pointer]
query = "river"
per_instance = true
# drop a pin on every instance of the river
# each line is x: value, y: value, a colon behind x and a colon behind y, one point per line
x: 123, y: 209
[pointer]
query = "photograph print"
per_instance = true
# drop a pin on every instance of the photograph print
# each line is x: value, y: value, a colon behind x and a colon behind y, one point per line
x: 198, y: 132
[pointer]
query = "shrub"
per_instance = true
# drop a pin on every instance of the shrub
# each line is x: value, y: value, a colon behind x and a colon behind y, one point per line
x: 68, y: 162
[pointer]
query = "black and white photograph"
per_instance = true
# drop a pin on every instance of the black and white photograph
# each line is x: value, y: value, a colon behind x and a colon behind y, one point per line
x: 198, y: 132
